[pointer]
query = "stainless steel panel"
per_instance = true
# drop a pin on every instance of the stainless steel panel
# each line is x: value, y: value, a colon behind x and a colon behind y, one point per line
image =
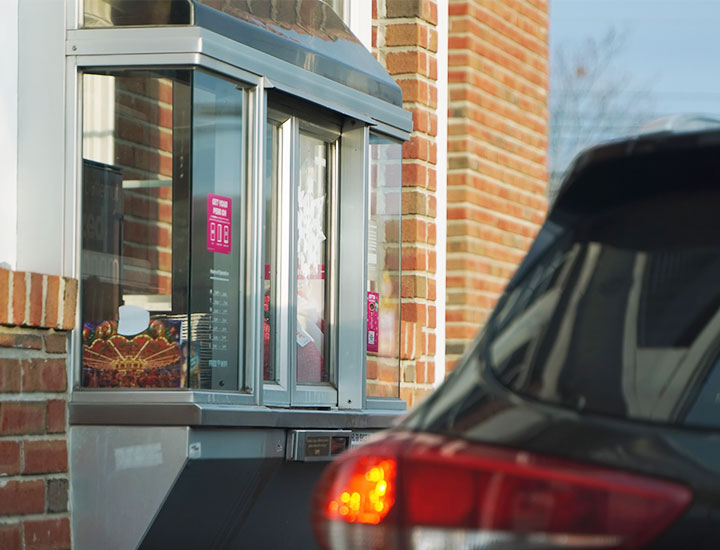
x: 193, y: 414
x: 385, y: 403
x: 255, y: 265
x: 352, y: 276
x: 217, y: 443
x: 166, y: 59
x: 116, y: 395
x: 284, y: 75
x: 120, y: 477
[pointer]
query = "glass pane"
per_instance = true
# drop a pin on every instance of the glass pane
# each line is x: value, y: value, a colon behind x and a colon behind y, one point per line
x: 383, y: 297
x: 616, y: 308
x: 217, y: 238
x: 134, y: 250
x: 270, y: 231
x: 311, y: 258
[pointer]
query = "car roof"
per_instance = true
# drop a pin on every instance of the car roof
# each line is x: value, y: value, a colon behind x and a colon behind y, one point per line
x: 678, y: 132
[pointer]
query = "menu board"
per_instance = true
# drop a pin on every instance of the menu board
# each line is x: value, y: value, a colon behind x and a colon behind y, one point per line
x: 215, y: 298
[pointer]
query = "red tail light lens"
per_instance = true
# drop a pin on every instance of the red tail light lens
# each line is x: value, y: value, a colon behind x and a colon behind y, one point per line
x: 420, y: 491
x: 363, y: 493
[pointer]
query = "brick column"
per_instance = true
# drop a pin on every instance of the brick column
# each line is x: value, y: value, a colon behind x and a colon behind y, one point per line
x: 405, y: 43
x: 497, y: 142
x: 36, y: 311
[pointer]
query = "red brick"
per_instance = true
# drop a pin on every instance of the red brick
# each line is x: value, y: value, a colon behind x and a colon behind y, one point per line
x: 414, y: 259
x: 414, y: 312
x: 10, y: 536
x: 420, y: 369
x: 45, y: 457
x: 56, y: 342
x: 408, y: 34
x: 414, y: 90
x: 10, y: 375
x: 51, y: 303
x: 48, y: 534
x: 409, y: 374
x: 406, y: 394
x: 413, y: 62
x: 19, y: 340
x: 414, y: 286
x: 415, y: 175
x: 69, y: 304
x: 5, y: 277
x: 414, y: 230
x: 56, y: 422
x: 371, y: 370
x: 433, y: 41
x: 415, y: 202
x: 388, y: 373
x: 22, y: 497
x: 9, y: 458
x: 18, y: 280
x: 36, y: 299
x: 44, y: 375
x: 18, y: 417
x: 418, y: 147
x: 403, y: 8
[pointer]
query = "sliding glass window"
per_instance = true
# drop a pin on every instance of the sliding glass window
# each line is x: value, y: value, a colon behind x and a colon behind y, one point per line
x: 162, y: 230
x: 300, y: 203
x: 383, y: 271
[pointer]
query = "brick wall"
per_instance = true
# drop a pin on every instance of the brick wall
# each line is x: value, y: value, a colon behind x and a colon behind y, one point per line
x: 497, y: 142
x: 405, y: 42
x: 36, y: 311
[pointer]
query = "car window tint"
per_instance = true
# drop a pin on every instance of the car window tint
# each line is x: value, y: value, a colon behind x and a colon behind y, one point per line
x: 620, y: 314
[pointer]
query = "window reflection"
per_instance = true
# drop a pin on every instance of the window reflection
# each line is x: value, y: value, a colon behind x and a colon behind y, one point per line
x: 383, y: 261
x: 311, y: 230
x: 146, y: 204
x: 620, y: 315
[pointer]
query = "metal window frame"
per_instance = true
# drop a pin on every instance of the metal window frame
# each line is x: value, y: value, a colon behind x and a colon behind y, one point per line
x: 251, y: 348
x: 277, y: 392
x: 199, y: 48
x: 296, y: 81
x: 285, y: 390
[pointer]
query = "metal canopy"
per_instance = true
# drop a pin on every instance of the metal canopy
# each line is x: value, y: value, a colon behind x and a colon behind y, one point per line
x: 305, y: 33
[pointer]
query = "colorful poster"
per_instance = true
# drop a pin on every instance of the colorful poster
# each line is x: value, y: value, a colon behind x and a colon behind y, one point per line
x: 154, y: 358
x: 219, y: 223
x: 373, y: 324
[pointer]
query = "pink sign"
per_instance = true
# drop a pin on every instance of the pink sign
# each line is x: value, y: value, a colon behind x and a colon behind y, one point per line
x: 373, y: 307
x: 219, y: 223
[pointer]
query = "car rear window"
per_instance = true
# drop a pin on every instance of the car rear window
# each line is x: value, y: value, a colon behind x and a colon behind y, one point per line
x: 617, y: 307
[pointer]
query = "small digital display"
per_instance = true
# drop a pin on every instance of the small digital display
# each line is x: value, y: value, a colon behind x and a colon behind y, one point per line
x: 317, y: 445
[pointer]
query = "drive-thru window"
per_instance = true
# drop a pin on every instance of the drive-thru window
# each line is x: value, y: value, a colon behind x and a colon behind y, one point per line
x: 238, y: 176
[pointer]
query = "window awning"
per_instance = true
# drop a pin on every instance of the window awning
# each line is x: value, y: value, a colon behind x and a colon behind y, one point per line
x: 306, y: 33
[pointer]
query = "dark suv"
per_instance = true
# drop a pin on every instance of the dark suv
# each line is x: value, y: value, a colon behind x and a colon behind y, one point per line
x: 587, y: 412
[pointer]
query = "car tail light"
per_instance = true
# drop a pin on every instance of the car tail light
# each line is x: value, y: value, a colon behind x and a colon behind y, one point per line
x: 432, y: 493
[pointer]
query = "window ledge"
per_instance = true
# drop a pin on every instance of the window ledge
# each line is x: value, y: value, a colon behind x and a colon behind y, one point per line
x: 131, y: 411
